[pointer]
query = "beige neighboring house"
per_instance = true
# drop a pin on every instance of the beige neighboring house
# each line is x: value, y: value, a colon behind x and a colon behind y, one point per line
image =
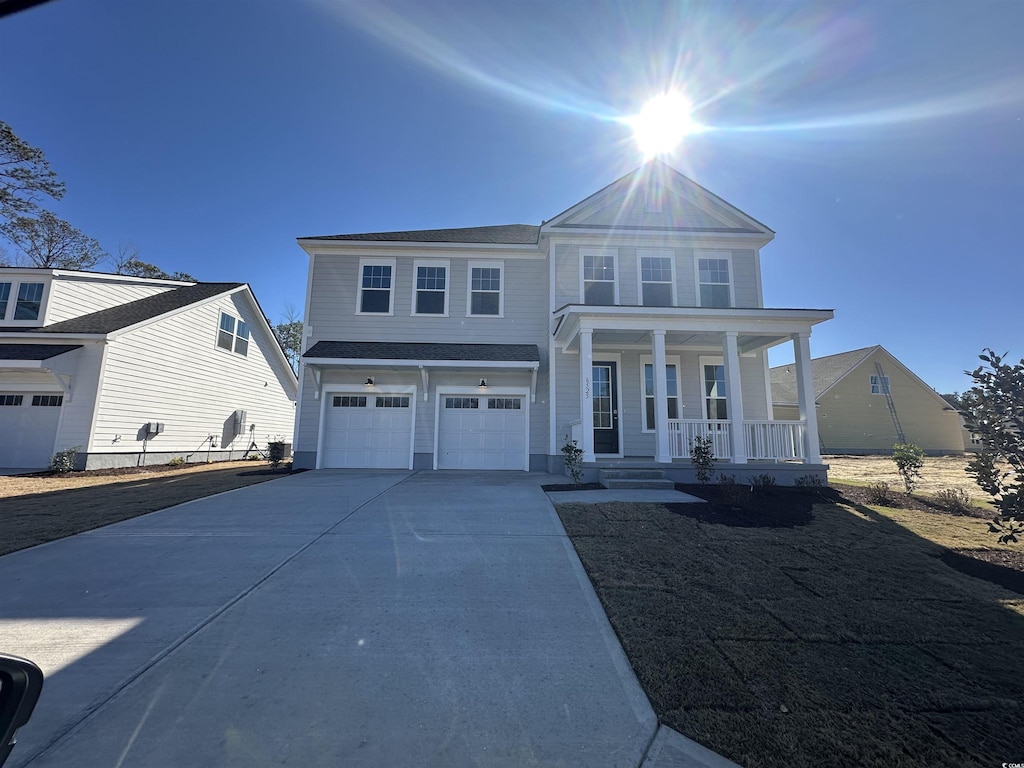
x: 867, y: 401
x: 134, y: 370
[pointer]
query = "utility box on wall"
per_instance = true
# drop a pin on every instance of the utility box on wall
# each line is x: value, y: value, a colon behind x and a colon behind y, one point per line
x: 239, y: 421
x: 154, y: 428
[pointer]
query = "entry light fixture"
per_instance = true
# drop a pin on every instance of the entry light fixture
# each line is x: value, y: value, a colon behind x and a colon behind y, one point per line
x: 369, y: 381
x: 483, y: 382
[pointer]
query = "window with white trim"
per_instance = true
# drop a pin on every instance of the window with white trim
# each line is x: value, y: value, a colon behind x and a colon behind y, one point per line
x: 715, y: 406
x: 7, y: 400
x: 5, y: 294
x: 879, y: 385
x: 462, y: 402
x: 598, y: 278
x: 504, y: 403
x: 48, y: 401
x: 713, y: 281
x: 672, y: 393
x: 657, y: 281
x: 431, y: 288
x: 349, y: 401
x: 392, y: 401
x: 233, y: 334
x: 485, y: 289
x: 30, y: 300
x: 376, y: 286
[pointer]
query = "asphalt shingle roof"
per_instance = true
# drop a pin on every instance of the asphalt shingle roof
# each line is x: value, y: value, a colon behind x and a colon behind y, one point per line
x: 34, y: 351
x: 374, y: 350
x: 825, y: 371
x: 504, y: 234
x: 124, y: 315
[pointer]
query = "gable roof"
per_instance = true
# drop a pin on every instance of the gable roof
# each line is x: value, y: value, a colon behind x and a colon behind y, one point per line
x: 503, y: 234
x: 123, y: 315
x: 825, y: 372
x: 374, y: 350
x: 34, y: 351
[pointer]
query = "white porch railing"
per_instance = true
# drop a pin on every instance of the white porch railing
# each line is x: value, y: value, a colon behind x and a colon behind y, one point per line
x: 774, y: 440
x: 765, y: 440
x: 681, y: 433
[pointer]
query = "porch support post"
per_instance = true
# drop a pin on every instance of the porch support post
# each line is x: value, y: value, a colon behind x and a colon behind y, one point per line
x: 805, y: 396
x: 661, y: 454
x: 586, y: 393
x: 734, y: 395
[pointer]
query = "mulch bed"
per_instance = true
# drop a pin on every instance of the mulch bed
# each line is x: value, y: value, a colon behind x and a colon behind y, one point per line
x: 124, y: 471
x: 999, y: 566
x: 740, y: 507
x: 856, y: 494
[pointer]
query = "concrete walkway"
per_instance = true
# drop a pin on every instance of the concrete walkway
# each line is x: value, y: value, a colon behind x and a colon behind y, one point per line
x: 328, y: 618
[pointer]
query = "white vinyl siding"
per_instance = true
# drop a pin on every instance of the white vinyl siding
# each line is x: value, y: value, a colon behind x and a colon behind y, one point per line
x: 74, y: 297
x: 168, y: 372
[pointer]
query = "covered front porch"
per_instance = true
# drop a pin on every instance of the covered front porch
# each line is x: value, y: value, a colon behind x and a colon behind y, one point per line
x: 700, y: 373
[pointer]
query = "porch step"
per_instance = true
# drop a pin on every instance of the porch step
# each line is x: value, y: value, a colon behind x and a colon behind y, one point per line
x: 635, y: 478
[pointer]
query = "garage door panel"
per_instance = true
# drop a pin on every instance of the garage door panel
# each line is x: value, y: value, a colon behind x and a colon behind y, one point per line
x: 472, y: 435
x: 358, y: 434
x: 28, y: 431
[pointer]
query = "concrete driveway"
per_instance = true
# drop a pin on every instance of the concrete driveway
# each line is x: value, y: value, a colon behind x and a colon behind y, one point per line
x: 334, y: 618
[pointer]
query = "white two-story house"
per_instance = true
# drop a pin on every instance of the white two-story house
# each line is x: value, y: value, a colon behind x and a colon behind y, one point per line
x: 630, y: 323
x: 133, y: 371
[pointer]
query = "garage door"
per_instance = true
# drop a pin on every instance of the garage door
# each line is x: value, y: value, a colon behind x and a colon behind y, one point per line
x: 363, y: 430
x: 28, y: 424
x: 481, y: 433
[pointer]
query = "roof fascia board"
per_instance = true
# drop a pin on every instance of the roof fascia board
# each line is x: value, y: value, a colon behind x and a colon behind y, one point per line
x: 104, y: 276
x: 310, y: 245
x: 819, y: 315
x: 400, y: 363
x: 665, y: 237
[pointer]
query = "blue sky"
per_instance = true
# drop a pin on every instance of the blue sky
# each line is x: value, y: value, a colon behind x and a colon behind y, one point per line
x: 883, y: 142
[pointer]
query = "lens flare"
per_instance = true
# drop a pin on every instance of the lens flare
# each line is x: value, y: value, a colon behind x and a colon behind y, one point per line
x: 662, y: 124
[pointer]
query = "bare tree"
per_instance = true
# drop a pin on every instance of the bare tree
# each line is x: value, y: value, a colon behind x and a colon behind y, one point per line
x: 289, y: 335
x: 25, y: 176
x: 47, y: 241
x: 127, y: 262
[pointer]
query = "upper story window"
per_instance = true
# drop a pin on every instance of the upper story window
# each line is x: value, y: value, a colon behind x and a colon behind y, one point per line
x: 30, y: 299
x: 657, y: 279
x: 5, y: 294
x: 431, y: 288
x: 714, y: 281
x: 599, y: 286
x: 485, y: 289
x: 376, y: 286
x: 879, y: 385
x: 672, y: 395
x: 233, y: 334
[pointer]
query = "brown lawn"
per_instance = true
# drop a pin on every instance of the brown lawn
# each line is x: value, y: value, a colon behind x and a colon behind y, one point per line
x: 41, y: 508
x: 939, y: 472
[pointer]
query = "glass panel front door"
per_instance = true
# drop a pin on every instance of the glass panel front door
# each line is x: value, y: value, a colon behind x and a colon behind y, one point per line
x: 606, y: 409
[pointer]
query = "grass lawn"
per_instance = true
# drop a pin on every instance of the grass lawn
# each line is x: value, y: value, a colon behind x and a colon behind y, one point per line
x: 840, y: 639
x: 35, y: 509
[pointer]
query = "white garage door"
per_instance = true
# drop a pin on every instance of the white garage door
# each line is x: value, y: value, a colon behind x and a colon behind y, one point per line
x: 362, y: 430
x: 28, y: 426
x: 482, y: 433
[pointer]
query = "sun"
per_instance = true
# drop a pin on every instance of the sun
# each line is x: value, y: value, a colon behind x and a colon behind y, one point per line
x: 663, y: 122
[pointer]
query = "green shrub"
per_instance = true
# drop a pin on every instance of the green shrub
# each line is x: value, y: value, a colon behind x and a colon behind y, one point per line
x: 275, y: 453
x: 808, y: 481
x: 954, y: 500
x: 909, y: 459
x: 880, y: 493
x: 177, y: 461
x: 732, y: 494
x: 64, y: 461
x: 702, y: 457
x: 762, y: 484
x: 572, y: 455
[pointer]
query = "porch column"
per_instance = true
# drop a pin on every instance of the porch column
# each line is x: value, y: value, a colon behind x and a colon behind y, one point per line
x: 661, y: 453
x: 734, y: 396
x: 805, y: 396
x: 587, y: 393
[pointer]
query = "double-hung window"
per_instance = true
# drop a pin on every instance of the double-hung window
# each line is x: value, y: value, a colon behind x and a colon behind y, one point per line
x: 30, y: 299
x: 657, y: 283
x: 599, y: 286
x: 5, y: 294
x: 431, y: 288
x: 672, y: 394
x: 485, y: 289
x: 233, y: 334
x: 714, y: 282
x: 714, y: 391
x: 879, y: 385
x: 376, y: 286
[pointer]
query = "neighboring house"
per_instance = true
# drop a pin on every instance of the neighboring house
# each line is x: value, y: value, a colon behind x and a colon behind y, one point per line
x: 867, y: 401
x: 631, y: 322
x: 135, y: 371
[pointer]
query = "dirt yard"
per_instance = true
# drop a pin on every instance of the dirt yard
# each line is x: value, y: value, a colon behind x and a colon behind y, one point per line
x: 939, y: 472
x: 39, y: 508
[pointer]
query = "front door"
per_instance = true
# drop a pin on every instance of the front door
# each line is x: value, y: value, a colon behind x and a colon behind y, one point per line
x: 606, y: 408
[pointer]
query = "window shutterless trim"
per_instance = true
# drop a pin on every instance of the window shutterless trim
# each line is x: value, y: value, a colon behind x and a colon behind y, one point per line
x: 419, y: 264
x: 612, y: 253
x: 718, y: 255
x: 498, y: 265
x: 392, y: 279
x: 655, y: 253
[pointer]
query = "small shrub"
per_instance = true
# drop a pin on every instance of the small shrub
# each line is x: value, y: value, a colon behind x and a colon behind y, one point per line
x: 954, y: 500
x: 880, y: 493
x: 702, y: 456
x: 64, y: 461
x: 808, y: 481
x: 732, y: 494
x: 909, y: 459
x: 177, y: 461
x: 762, y: 484
x: 275, y: 453
x: 572, y: 455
